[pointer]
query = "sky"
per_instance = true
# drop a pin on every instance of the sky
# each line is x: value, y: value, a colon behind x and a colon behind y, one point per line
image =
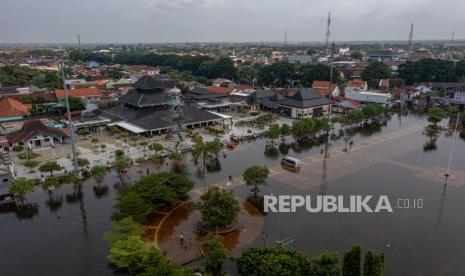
x: 154, y: 21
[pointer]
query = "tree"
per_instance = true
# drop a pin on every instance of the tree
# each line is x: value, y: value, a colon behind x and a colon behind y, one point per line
x: 356, y: 55
x: 273, y: 133
x: 31, y: 164
x: 285, y: 130
x: 50, y: 166
x: 83, y: 162
x: 215, y: 254
x: 76, y: 103
x: 218, y: 207
x: 273, y: 261
x: 354, y: 117
x: 428, y: 70
x: 123, y: 252
x: 315, y: 72
x: 20, y: 187
x: 326, y: 264
x: 205, y: 154
x: 98, y: 173
x: 373, y: 264
x: 256, y: 175
x: 28, y: 155
x: 94, y: 141
x: 132, y: 205
x: 375, y: 71
x: 50, y: 184
x: 435, y: 115
x: 156, y: 147
x: 351, y: 265
x: 121, y: 163
x: 122, y: 230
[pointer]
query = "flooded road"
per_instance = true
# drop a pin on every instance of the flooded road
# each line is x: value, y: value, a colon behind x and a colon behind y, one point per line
x: 66, y: 239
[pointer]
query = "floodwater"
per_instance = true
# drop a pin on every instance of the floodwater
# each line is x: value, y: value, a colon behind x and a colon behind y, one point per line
x: 50, y: 238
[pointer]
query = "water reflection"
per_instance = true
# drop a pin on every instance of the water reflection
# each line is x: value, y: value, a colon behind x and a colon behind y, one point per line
x: 54, y: 203
x: 442, y: 199
x: 23, y: 211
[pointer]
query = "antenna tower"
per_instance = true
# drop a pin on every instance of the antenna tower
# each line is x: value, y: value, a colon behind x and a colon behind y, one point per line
x: 410, y: 36
x: 328, y: 33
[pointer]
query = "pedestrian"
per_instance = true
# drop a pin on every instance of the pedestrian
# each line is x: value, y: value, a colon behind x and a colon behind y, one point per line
x: 322, y: 151
x: 230, y: 177
x: 350, y: 144
x: 181, y: 238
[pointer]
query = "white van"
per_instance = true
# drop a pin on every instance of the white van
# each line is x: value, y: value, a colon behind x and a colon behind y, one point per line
x: 291, y: 162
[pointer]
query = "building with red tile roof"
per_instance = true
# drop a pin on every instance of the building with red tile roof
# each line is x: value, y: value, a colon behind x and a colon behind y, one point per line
x: 358, y: 85
x: 220, y: 90
x: 326, y: 88
x: 78, y: 92
x: 11, y: 109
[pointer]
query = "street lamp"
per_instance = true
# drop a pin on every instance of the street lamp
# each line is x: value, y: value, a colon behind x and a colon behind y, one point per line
x: 61, y: 66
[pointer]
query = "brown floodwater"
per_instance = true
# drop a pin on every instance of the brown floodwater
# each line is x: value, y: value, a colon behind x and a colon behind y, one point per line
x: 62, y: 235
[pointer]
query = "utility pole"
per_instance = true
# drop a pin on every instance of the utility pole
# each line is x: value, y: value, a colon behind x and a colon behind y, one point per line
x: 61, y: 66
x: 453, y: 145
x: 285, y: 37
x: 79, y: 41
x: 453, y: 36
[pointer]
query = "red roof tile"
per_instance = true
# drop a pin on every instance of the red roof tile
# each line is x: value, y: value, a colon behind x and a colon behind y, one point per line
x: 11, y: 108
x: 79, y: 92
x: 220, y: 90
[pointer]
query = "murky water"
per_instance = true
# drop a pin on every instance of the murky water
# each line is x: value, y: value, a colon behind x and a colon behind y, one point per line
x: 64, y: 236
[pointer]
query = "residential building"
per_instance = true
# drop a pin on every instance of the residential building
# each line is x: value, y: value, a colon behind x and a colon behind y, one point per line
x: 325, y: 88
x: 303, y: 103
x: 11, y: 109
x: 83, y: 93
x: 356, y: 85
x: 36, y: 135
x: 368, y: 96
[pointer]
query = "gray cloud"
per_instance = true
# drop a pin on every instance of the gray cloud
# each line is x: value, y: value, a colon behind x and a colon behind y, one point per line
x: 225, y: 20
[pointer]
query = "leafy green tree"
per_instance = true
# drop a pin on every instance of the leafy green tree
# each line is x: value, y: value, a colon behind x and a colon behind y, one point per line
x: 273, y: 133
x: 428, y: 70
x: 132, y: 205
x: 375, y: 71
x: 205, y: 154
x: 123, y: 252
x: 352, y: 262
x: 273, y: 261
x: 256, y: 175
x: 373, y: 264
x: 156, y: 147
x: 315, y: 72
x: 162, y: 189
x: 303, y: 128
x: 121, y: 163
x: 94, y: 141
x: 50, y: 184
x: 20, y: 187
x: 215, y: 254
x: 31, y: 164
x: 50, y: 166
x: 28, y: 155
x: 218, y: 207
x: 326, y: 264
x: 83, y: 162
x: 76, y: 103
x: 356, y: 55
x: 354, y: 117
x: 122, y: 230
x: 435, y: 115
x: 98, y: 172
